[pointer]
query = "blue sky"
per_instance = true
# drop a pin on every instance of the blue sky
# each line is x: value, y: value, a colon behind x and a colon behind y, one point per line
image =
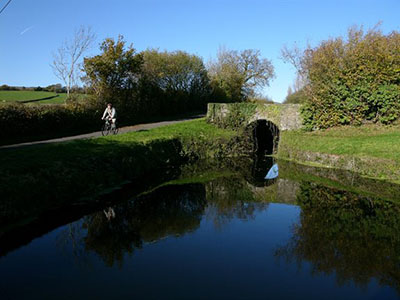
x: 31, y: 30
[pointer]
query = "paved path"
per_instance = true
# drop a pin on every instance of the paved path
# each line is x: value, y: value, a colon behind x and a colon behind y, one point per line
x: 98, y: 133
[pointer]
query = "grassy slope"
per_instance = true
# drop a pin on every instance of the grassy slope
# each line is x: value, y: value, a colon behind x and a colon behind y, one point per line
x: 46, y: 154
x: 376, y: 149
x: 12, y: 96
x: 195, y: 128
x: 16, y: 96
x: 57, y: 100
x: 36, y: 178
x: 373, y: 141
x: 84, y: 156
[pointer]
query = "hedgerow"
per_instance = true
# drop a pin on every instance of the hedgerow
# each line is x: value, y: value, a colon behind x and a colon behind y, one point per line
x: 20, y: 122
x: 352, y: 80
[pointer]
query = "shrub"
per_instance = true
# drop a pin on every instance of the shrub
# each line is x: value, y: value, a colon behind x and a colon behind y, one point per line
x: 352, y: 80
x: 6, y: 87
x: 386, y: 103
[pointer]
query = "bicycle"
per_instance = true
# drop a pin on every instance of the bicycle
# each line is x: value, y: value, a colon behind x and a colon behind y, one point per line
x: 109, y: 128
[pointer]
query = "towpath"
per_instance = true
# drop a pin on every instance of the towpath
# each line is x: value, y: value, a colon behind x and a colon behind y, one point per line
x: 98, y: 133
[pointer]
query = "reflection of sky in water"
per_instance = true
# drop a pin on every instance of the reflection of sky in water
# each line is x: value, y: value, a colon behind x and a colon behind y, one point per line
x: 229, y: 252
x: 273, y: 172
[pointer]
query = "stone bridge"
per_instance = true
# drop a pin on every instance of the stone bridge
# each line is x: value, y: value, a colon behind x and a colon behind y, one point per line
x: 284, y: 116
x: 265, y: 121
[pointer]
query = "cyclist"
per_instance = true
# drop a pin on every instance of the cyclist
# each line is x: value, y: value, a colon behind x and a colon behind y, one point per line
x: 110, y: 114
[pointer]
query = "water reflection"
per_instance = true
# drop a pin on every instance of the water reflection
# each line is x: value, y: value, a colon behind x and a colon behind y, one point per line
x: 109, y: 213
x: 230, y: 198
x: 334, y: 232
x: 259, y: 167
x: 352, y: 236
x: 172, y: 210
x: 168, y: 211
x: 273, y: 172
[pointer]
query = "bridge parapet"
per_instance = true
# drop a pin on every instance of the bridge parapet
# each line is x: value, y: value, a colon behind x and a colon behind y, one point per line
x: 284, y: 116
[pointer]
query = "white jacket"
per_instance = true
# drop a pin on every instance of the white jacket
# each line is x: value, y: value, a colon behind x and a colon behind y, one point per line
x: 111, y: 113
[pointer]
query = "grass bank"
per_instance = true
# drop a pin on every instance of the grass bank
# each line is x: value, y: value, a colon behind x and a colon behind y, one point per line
x: 36, y: 97
x: 22, y: 96
x: 371, y: 150
x: 38, y: 178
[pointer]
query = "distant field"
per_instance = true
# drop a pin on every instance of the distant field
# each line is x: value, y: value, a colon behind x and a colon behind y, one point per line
x: 18, y: 96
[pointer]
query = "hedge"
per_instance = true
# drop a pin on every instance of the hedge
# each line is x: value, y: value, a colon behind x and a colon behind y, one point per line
x: 353, y: 80
x: 20, y: 122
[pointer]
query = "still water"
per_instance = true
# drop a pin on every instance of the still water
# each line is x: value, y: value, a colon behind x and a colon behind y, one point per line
x: 217, y: 235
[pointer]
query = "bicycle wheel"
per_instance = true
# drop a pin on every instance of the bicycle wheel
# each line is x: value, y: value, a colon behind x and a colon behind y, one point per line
x: 105, y: 129
x: 115, y: 130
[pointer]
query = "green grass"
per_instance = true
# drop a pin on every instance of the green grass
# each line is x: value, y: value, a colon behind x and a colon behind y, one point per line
x: 18, y: 96
x: 371, y: 150
x: 83, y: 155
x: 61, y: 99
x: 195, y: 128
x: 365, y: 141
x: 47, y: 154
x: 57, y: 100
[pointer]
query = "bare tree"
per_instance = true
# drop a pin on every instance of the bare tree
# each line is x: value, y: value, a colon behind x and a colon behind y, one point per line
x: 241, y: 73
x: 293, y: 56
x: 298, y: 59
x: 66, y: 63
x: 289, y: 91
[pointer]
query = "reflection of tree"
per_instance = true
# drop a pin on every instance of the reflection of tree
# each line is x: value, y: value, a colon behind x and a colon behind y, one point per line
x: 110, y: 239
x: 230, y: 198
x: 354, y: 236
x: 71, y: 240
x: 170, y: 210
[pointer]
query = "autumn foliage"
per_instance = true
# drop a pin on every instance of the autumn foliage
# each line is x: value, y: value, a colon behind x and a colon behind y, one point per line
x: 352, y: 80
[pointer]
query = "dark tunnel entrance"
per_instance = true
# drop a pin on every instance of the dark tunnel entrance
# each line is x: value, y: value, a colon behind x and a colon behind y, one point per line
x: 265, y: 137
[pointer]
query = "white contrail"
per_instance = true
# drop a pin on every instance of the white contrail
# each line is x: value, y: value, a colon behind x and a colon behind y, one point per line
x: 25, y: 30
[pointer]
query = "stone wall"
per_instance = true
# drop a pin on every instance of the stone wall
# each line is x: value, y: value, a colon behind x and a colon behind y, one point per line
x: 285, y: 116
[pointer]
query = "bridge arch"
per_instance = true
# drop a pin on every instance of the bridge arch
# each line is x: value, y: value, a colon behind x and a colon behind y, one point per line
x: 265, y: 136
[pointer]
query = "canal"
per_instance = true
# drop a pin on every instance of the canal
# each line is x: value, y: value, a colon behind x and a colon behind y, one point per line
x: 215, y: 231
